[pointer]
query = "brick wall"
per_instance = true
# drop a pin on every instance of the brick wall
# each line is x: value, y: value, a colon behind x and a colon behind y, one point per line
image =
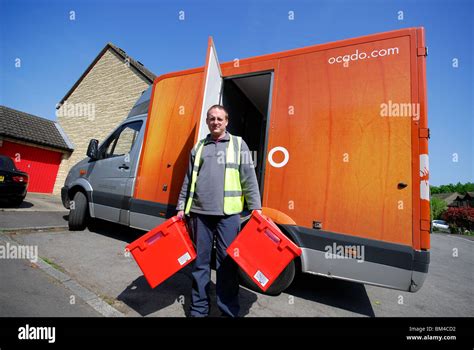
x: 106, y: 95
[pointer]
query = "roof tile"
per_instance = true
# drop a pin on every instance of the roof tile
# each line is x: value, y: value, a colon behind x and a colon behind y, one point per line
x: 28, y: 127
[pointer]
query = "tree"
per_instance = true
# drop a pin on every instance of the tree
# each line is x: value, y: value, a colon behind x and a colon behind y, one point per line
x: 438, y: 206
x: 459, y: 187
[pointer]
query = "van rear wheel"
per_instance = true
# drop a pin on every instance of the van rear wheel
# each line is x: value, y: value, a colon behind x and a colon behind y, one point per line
x: 281, y: 283
x: 78, y: 212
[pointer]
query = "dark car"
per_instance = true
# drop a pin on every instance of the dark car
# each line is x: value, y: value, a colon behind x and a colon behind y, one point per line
x: 13, y: 182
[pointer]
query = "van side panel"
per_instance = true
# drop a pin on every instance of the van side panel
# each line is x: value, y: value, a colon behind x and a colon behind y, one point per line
x: 348, y: 145
x: 169, y: 137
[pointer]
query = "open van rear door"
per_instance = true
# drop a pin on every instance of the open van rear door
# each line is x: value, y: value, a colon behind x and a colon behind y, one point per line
x: 212, y: 90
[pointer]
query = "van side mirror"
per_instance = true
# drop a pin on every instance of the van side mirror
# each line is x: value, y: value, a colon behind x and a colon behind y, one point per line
x: 93, y: 149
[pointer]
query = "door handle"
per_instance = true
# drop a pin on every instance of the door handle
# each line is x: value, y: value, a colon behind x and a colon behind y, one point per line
x: 124, y: 166
x: 401, y: 185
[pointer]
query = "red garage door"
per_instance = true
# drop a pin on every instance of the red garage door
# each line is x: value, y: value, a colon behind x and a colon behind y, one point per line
x: 42, y: 165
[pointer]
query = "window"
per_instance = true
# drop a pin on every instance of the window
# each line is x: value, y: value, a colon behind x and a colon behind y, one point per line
x: 6, y: 164
x: 122, y: 141
x: 125, y: 142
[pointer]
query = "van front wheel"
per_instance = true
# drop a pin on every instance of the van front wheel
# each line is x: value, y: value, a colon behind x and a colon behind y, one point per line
x: 78, y: 212
x: 281, y: 283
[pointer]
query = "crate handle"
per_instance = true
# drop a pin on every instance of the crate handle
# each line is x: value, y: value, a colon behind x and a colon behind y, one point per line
x: 274, y: 238
x: 157, y: 236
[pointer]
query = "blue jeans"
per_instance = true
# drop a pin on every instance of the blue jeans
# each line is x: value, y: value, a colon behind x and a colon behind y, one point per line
x: 226, y: 229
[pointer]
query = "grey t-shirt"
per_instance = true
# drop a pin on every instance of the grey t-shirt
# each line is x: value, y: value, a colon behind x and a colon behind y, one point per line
x: 209, y: 191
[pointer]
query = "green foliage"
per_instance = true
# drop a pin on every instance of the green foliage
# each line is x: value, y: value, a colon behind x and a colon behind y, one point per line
x: 459, y: 187
x: 438, y: 206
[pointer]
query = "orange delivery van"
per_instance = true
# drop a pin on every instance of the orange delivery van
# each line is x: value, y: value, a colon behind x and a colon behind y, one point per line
x: 339, y: 138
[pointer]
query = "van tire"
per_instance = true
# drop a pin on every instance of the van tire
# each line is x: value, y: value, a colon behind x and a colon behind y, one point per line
x: 78, y: 215
x: 281, y: 283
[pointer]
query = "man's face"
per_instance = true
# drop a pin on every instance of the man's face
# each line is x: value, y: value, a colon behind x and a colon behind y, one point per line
x: 216, y: 121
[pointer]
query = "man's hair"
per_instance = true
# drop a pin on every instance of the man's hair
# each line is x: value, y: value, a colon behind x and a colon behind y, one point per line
x: 218, y: 107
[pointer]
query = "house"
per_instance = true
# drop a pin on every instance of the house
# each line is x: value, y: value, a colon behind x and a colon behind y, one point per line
x: 99, y: 100
x: 456, y: 199
x: 449, y: 198
x: 36, y: 145
x: 466, y: 200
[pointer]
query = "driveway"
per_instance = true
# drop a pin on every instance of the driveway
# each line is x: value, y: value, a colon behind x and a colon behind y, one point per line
x: 35, y: 202
x: 38, y: 211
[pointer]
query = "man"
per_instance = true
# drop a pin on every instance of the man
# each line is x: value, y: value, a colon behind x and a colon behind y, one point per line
x: 220, y: 177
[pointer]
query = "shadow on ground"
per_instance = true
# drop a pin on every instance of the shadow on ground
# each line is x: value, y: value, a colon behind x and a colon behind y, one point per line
x: 176, y: 289
x: 341, y: 294
x: 113, y: 230
x: 5, y: 203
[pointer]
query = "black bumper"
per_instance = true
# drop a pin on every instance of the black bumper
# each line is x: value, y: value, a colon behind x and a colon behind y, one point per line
x: 379, y: 252
x: 13, y: 190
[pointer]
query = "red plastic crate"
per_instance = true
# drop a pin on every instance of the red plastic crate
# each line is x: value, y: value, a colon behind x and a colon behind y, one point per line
x: 262, y: 250
x: 163, y: 251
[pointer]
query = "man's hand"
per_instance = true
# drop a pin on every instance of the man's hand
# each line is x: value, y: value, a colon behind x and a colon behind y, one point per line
x: 259, y: 211
x: 180, y: 214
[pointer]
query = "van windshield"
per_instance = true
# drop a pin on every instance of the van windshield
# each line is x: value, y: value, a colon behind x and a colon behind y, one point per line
x: 142, y: 104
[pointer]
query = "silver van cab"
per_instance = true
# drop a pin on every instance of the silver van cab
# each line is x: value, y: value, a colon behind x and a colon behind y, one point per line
x: 101, y: 185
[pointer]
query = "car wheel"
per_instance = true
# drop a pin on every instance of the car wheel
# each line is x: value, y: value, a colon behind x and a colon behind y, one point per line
x: 281, y: 283
x: 78, y: 213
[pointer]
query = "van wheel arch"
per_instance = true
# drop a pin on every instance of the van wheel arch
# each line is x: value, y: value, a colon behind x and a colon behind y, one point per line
x: 73, y: 190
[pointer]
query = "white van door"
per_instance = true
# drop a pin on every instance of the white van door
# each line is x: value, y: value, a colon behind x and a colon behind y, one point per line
x: 212, y: 87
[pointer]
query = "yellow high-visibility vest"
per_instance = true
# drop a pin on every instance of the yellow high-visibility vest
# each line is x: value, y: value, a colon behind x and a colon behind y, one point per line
x: 233, y: 195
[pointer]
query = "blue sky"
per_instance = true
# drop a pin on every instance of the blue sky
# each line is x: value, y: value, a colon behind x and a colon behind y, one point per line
x: 54, y: 50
